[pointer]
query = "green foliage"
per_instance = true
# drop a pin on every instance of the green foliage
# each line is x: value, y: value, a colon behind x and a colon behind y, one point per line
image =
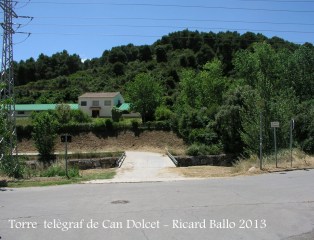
x: 63, y: 113
x: 145, y: 94
x: 9, y: 165
x: 74, y: 128
x: 58, y: 170
x: 135, y: 125
x: 12, y: 166
x: 198, y: 101
x: 299, y: 72
x: 304, y: 126
x: 116, y: 114
x: 44, y: 133
x: 163, y: 113
x: 215, y: 86
x: 228, y: 120
x: 77, y: 116
x: 261, y: 68
x: 59, y: 64
x: 109, y: 125
x: 202, y: 149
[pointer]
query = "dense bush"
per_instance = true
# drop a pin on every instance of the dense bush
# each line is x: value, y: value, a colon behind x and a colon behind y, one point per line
x: 304, y: 126
x: 12, y: 167
x: 109, y: 124
x: 24, y: 131
x: 158, y: 125
x: 163, y: 113
x: 116, y: 114
x: 202, y: 149
x: 57, y: 170
x: 74, y: 128
x: 44, y: 134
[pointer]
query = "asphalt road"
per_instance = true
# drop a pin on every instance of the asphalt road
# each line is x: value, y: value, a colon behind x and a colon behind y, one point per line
x: 272, y: 206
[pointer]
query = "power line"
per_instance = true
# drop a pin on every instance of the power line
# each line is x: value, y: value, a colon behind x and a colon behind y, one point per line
x: 178, y: 19
x: 174, y: 6
x: 175, y: 27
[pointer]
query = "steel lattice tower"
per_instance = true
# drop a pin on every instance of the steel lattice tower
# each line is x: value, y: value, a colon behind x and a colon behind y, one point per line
x: 7, y: 103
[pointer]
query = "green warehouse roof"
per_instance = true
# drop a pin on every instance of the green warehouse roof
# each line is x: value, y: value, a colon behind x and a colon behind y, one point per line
x: 125, y: 107
x: 41, y: 107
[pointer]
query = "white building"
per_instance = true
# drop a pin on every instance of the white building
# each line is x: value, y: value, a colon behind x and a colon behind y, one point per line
x: 99, y: 104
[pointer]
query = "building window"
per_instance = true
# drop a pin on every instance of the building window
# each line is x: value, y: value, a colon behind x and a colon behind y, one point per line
x: 107, y: 103
x: 95, y: 104
x: 83, y: 103
x: 20, y: 112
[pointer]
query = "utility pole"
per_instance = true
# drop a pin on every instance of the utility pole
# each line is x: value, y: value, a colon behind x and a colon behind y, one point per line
x: 291, y: 139
x: 261, y: 141
x: 7, y: 107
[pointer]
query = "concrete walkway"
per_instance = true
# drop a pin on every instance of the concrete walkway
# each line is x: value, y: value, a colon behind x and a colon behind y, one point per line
x: 144, y: 167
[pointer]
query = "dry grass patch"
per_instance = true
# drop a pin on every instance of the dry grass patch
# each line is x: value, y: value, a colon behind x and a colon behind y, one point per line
x: 202, y: 171
x: 300, y: 160
x: 249, y: 166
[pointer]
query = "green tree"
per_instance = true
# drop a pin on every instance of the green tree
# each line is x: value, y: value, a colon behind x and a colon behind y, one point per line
x: 300, y: 72
x: 161, y: 54
x: 304, y: 126
x: 228, y: 120
x: 63, y: 113
x: 44, y: 134
x: 262, y: 69
x: 198, y: 101
x: 11, y: 166
x: 145, y: 94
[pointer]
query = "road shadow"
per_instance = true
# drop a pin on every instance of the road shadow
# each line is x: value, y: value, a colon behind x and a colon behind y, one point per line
x: 5, y: 189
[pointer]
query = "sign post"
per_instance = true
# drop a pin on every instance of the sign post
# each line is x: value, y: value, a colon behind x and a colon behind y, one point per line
x: 66, y: 138
x: 275, y: 125
x: 291, y: 140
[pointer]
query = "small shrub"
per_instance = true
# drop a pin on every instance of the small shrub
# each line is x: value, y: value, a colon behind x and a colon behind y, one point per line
x: 163, y: 125
x: 193, y: 150
x: 202, y: 135
x: 135, y: 125
x: 109, y: 124
x: 73, y: 172
x: 12, y: 167
x: 116, y: 114
x: 63, y: 113
x: 78, y: 116
x: 53, y: 171
x: 24, y: 131
x: 57, y: 170
x: 75, y: 128
x: 202, y: 149
x: 163, y: 113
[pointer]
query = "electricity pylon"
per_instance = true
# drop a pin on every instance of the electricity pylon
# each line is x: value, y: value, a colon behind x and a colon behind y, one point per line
x: 8, y: 147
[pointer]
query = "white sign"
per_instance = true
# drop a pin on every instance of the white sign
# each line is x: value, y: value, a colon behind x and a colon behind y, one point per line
x: 274, y: 124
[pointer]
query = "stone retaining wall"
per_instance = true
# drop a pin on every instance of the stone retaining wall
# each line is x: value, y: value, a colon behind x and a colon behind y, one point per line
x: 212, y: 160
x: 83, y: 164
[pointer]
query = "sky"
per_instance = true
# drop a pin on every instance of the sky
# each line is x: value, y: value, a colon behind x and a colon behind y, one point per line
x: 89, y: 27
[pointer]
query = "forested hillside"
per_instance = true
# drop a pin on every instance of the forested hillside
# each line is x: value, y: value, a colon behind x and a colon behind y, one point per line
x: 165, y: 59
x: 213, y: 87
